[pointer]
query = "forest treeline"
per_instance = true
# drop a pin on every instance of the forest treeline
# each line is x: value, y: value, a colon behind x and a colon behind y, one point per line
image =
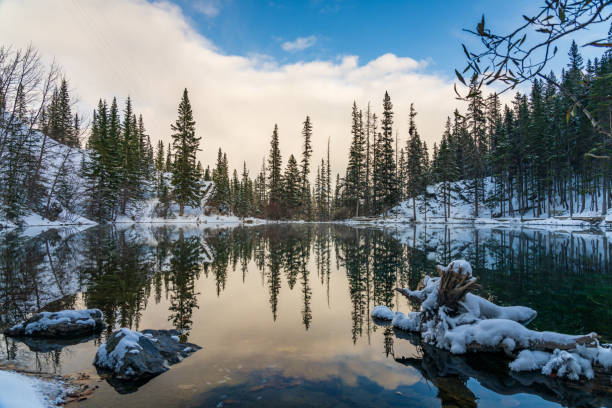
x: 539, y: 155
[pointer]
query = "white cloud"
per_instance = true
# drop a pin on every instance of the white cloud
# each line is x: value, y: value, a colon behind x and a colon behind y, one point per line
x: 210, y: 8
x: 149, y: 51
x: 300, y: 43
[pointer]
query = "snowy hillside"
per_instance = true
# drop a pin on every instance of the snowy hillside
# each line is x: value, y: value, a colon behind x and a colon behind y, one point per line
x: 63, y: 191
x: 430, y: 209
x: 59, y: 167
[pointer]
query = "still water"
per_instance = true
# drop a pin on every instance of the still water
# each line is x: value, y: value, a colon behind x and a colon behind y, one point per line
x: 282, y: 311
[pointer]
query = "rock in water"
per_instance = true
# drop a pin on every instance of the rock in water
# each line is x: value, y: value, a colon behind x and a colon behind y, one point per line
x: 137, y: 356
x: 64, y: 324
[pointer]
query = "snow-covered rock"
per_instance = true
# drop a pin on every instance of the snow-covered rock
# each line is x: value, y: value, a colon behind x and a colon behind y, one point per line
x: 132, y: 355
x: 67, y: 323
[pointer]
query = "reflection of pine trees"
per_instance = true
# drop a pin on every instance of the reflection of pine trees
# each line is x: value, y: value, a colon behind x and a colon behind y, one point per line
x: 322, y: 248
x: 356, y: 249
x: 275, y: 261
x: 305, y: 279
x: 184, y: 272
x: 20, y: 267
x: 221, y: 243
x: 386, y: 261
x: 388, y: 341
x: 119, y: 274
x: 292, y: 256
x: 546, y: 271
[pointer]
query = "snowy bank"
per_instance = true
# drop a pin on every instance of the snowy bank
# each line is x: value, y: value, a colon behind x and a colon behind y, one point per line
x: 149, y: 213
x: 452, y: 318
x: 18, y: 390
x: 430, y: 209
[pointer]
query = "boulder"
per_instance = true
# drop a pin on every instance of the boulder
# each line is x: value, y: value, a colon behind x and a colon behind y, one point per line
x: 137, y: 356
x: 63, y: 324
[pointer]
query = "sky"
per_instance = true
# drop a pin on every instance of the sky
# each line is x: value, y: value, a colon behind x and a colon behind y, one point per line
x: 250, y: 64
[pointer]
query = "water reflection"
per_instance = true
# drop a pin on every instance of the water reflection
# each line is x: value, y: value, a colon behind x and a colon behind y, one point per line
x: 290, y: 304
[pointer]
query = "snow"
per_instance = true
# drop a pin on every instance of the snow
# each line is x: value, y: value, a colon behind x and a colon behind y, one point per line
x: 461, y: 266
x: 114, y: 360
x: 383, y: 313
x: 528, y: 360
x: 431, y: 210
x: 491, y: 333
x: 54, y: 318
x: 65, y: 218
x: 146, y: 214
x: 483, y: 308
x: 570, y: 365
x: 18, y: 390
x: 411, y: 322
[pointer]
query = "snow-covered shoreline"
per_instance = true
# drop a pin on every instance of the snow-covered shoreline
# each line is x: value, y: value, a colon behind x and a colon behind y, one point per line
x: 216, y: 220
x: 430, y: 209
x: 577, y: 221
x: 19, y: 390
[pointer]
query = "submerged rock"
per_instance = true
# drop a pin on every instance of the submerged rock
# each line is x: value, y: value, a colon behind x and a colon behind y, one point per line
x: 46, y: 345
x: 63, y: 324
x: 139, y: 356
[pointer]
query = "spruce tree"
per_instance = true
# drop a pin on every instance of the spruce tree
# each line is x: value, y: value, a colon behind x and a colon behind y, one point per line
x: 222, y: 196
x: 275, y: 184
x: 477, y: 128
x: 385, y: 185
x: 414, y: 162
x: 305, y: 169
x: 292, y: 194
x: 355, y: 172
x: 185, y: 146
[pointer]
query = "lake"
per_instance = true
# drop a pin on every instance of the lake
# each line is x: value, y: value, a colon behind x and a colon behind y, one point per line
x: 282, y: 311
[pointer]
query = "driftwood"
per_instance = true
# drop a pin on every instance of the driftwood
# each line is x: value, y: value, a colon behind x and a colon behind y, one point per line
x: 455, y: 284
x: 453, y: 319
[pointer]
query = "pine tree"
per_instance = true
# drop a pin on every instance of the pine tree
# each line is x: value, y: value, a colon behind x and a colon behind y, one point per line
x: 222, y: 196
x: 292, y: 194
x: 246, y: 193
x: 327, y: 185
x: 305, y: 169
x: 414, y: 162
x: 160, y: 165
x: 235, y: 192
x: 60, y: 117
x: 207, y: 176
x: 368, y: 162
x: 355, y: 172
x: 185, y: 146
x: 275, y: 184
x: 477, y: 128
x: 385, y: 183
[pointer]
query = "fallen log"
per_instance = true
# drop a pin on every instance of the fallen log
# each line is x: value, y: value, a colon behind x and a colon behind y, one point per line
x: 452, y: 318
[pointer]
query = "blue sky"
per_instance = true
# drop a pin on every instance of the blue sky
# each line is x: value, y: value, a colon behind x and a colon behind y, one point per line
x: 422, y: 30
